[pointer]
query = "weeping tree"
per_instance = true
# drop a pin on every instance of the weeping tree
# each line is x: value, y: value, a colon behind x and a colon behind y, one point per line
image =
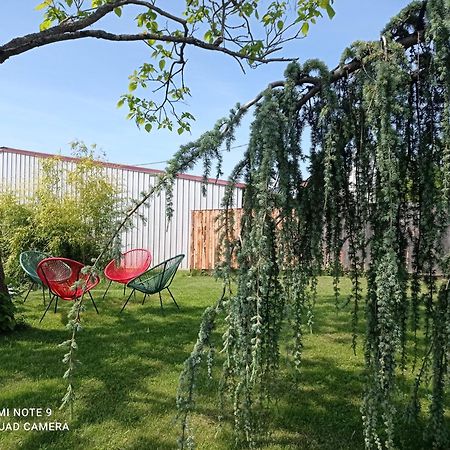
x: 373, y: 139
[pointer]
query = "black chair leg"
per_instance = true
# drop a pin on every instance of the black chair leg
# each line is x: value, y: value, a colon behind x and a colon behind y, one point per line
x: 173, y: 298
x: 124, y: 287
x: 110, y: 281
x: 43, y: 294
x: 56, y: 303
x: 125, y: 304
x: 28, y: 293
x: 160, y: 299
x: 92, y: 299
x: 143, y: 300
x: 48, y: 307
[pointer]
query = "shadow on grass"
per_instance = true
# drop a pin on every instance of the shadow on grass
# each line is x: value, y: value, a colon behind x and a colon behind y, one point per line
x: 122, y: 356
x: 126, y: 385
x: 312, y: 410
x: 130, y: 367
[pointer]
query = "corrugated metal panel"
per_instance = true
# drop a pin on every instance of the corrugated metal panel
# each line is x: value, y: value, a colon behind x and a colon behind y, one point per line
x: 20, y: 171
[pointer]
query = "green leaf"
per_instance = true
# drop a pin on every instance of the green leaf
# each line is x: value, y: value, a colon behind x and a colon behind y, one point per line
x: 140, y: 20
x: 305, y: 28
x: 267, y: 18
x: 162, y: 64
x: 148, y: 127
x: 247, y: 9
x: 208, y: 37
x: 43, y: 5
x: 280, y: 25
x: 120, y: 102
x: 118, y: 11
x: 132, y: 86
x: 45, y: 25
x: 180, y: 130
x: 330, y: 11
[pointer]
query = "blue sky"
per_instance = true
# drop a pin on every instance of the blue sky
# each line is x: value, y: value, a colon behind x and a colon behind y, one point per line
x: 55, y: 94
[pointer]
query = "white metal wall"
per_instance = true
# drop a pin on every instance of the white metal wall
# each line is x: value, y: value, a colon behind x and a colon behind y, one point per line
x: 20, y: 171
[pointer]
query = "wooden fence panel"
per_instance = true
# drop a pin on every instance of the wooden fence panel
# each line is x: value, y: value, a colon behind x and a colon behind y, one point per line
x: 205, y: 237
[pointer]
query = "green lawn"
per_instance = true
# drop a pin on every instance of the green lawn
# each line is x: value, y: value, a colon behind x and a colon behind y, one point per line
x: 127, y: 382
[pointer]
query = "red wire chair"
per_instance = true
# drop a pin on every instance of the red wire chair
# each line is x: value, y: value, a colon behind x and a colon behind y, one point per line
x: 61, y: 275
x: 130, y: 265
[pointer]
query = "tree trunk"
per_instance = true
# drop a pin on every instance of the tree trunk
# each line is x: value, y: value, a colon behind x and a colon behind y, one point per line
x: 3, y: 287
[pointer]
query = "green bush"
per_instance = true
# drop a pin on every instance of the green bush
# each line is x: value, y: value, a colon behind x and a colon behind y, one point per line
x: 7, y: 320
x: 72, y: 214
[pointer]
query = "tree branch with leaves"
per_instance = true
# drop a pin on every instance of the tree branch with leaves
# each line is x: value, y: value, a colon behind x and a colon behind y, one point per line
x: 250, y: 32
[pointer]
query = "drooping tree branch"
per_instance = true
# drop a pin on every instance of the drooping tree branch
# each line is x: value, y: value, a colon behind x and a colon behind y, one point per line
x: 337, y: 74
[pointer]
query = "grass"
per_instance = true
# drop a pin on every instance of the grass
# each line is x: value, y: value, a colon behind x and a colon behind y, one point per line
x: 127, y: 382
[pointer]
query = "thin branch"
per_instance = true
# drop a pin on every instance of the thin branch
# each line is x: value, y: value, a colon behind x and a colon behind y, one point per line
x: 159, y: 11
x: 162, y: 180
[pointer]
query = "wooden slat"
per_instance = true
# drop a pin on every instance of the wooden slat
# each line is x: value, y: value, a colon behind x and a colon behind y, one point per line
x: 205, y: 237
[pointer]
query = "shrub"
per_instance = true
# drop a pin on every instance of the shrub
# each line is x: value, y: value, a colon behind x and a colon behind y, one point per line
x: 72, y: 213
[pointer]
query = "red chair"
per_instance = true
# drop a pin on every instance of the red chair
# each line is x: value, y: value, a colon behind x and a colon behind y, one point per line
x: 130, y: 265
x: 61, y: 275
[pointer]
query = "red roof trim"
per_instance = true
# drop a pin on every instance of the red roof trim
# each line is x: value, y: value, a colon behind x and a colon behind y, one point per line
x: 118, y: 166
